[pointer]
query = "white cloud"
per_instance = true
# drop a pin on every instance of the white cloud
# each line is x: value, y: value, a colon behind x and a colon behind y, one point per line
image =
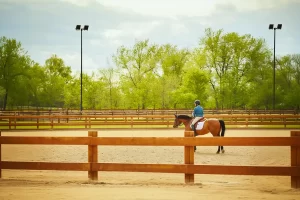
x: 163, y: 8
x: 259, y: 4
x: 97, y: 42
x: 175, y: 8
x: 138, y: 30
x: 74, y: 60
x: 179, y: 22
x: 178, y: 29
x: 79, y: 2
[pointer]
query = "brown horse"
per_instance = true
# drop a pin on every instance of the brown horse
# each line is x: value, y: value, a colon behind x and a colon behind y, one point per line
x: 214, y: 126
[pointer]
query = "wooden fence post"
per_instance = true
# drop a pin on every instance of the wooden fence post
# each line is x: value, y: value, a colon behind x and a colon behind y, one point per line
x: 0, y: 158
x: 93, y: 157
x: 85, y: 122
x: 15, y: 122
x: 9, y: 123
x: 51, y: 122
x: 189, y: 157
x: 295, y: 160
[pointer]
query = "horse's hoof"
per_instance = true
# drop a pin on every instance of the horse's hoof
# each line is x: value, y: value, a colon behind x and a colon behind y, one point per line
x: 218, y: 152
x: 223, y: 151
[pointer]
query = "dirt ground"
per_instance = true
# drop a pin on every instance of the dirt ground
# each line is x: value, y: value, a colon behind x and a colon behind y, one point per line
x: 46, y: 185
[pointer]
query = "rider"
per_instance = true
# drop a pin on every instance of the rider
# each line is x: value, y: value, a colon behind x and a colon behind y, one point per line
x: 197, y: 113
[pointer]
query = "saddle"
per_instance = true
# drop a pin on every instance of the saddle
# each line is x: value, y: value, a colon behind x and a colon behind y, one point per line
x: 203, y: 119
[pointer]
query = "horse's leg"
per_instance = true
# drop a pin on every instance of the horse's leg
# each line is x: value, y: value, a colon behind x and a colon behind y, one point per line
x: 222, y: 133
x: 195, y: 148
x: 218, y: 149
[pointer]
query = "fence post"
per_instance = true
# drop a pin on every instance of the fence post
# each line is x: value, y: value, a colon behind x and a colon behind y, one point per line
x: 85, y: 122
x: 0, y: 158
x: 93, y: 157
x: 51, y: 122
x: 15, y: 122
x: 189, y: 157
x: 295, y: 160
x: 9, y: 123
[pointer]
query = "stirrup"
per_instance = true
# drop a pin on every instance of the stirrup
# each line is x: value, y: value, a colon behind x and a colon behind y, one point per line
x: 193, y: 127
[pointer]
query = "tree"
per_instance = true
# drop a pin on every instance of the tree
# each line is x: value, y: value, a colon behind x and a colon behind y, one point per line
x: 172, y: 62
x: 134, y: 65
x: 194, y: 86
x: 109, y: 78
x: 14, y: 63
x: 287, y: 81
x: 232, y: 61
x: 57, y: 76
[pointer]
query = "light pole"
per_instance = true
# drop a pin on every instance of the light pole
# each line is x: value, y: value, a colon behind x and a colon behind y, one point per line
x: 85, y: 28
x: 271, y: 26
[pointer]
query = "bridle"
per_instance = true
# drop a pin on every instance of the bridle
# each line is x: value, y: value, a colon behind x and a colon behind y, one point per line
x: 177, y: 123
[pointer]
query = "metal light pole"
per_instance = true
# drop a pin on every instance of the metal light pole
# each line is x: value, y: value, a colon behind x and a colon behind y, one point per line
x: 85, y: 28
x: 271, y: 26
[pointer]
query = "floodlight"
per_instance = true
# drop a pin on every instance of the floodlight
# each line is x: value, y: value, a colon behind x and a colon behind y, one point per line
x: 86, y: 27
x: 279, y: 26
x: 78, y: 27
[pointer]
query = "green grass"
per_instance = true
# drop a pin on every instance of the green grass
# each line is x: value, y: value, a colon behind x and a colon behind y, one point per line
x: 71, y: 127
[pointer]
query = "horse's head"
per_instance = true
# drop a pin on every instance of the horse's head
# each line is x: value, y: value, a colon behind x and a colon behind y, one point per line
x: 177, y: 122
x: 182, y: 119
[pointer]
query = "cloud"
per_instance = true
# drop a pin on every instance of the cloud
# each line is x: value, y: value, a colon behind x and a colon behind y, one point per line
x: 82, y: 3
x: 48, y: 26
x: 190, y: 8
x: 178, y: 28
x: 132, y: 29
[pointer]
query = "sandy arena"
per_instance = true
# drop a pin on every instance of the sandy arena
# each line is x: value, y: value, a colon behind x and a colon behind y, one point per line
x: 46, y: 185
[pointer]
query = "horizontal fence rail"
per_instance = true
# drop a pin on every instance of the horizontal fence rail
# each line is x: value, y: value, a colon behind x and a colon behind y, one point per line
x: 188, y: 168
x: 158, y: 168
x: 143, y: 111
x: 130, y: 121
x: 153, y: 141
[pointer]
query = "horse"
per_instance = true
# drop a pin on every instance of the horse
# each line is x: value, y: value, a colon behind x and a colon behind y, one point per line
x: 214, y: 126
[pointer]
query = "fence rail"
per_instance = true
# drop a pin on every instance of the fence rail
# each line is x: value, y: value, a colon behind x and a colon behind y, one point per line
x: 145, y: 112
x: 130, y: 121
x: 188, y: 168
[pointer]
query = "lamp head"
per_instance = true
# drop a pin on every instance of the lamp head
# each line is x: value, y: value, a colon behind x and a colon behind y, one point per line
x: 78, y: 27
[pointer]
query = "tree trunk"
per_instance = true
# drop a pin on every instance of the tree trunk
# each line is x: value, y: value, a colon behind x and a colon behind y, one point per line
x: 5, y: 99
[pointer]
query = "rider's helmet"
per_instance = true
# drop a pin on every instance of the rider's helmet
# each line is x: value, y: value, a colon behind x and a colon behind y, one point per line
x: 197, y: 102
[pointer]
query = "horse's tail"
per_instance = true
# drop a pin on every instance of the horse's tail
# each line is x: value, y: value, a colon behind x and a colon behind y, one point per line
x: 222, y: 123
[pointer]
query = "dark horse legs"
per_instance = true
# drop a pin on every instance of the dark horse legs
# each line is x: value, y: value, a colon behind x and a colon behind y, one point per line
x: 222, y: 135
x: 220, y: 148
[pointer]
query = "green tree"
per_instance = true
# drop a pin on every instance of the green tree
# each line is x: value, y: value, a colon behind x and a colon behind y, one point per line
x: 57, y: 75
x: 232, y: 61
x: 14, y: 63
x: 134, y: 65
x: 287, y: 81
x: 172, y: 63
x: 110, y: 90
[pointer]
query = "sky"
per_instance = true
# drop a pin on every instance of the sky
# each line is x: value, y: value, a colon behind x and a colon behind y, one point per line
x: 47, y: 27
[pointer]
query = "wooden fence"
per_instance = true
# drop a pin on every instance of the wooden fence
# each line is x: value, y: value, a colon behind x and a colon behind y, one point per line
x: 130, y: 121
x: 188, y: 168
x: 145, y: 112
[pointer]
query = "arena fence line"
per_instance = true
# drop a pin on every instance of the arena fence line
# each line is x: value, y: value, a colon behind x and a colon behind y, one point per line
x: 188, y: 168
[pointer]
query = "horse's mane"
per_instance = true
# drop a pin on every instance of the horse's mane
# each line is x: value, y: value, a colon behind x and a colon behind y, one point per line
x: 184, y: 117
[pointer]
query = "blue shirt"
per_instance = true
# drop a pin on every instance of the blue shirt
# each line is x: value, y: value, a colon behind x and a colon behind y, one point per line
x: 198, y: 111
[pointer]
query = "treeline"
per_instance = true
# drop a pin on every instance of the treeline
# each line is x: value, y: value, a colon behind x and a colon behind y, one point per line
x: 224, y: 71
